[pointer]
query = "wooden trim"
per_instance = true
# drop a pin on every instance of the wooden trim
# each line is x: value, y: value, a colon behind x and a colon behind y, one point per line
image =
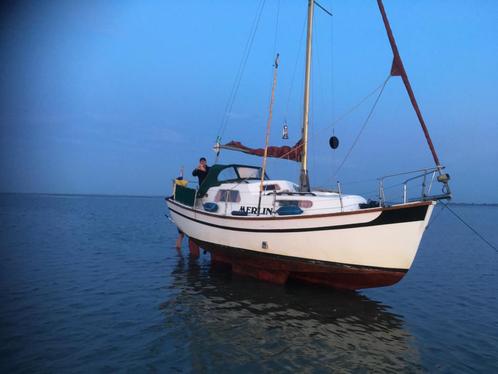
x: 415, y: 214
x: 273, y: 218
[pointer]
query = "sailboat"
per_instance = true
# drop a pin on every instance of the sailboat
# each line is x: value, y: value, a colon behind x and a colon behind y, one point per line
x: 277, y: 230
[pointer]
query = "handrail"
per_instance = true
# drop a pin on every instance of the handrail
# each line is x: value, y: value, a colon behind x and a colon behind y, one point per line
x: 409, y: 172
x: 421, y: 173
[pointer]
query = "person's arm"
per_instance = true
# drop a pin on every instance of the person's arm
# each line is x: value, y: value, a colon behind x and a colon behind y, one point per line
x: 195, y: 173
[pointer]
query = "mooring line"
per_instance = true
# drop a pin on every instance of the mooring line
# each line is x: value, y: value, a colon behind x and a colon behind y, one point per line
x: 470, y: 227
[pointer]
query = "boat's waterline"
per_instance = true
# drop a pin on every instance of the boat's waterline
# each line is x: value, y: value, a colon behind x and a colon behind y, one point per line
x: 365, y: 248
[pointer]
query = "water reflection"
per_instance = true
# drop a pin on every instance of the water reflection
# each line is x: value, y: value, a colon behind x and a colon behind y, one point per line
x: 228, y: 322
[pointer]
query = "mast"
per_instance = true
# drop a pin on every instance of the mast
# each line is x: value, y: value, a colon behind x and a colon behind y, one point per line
x: 304, y: 184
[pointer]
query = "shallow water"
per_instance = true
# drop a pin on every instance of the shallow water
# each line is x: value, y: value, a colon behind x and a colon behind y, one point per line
x: 95, y: 284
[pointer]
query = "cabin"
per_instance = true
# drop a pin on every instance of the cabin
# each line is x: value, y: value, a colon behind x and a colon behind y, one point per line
x: 235, y: 190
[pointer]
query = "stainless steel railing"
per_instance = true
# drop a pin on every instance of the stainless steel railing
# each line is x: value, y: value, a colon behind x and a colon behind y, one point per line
x: 427, y: 177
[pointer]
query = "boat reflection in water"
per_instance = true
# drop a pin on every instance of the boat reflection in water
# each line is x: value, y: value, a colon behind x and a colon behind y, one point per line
x: 221, y: 321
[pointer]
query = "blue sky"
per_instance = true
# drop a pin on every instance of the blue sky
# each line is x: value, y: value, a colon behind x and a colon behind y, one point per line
x: 113, y: 97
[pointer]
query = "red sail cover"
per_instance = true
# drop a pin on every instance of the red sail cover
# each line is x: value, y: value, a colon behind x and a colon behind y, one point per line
x: 287, y: 153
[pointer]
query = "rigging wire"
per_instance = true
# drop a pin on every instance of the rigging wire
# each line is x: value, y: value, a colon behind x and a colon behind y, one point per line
x: 276, y: 28
x: 356, y: 106
x: 320, y: 91
x: 344, y: 115
x: 311, y: 122
x: 275, y: 43
x: 362, y: 127
x: 332, y: 87
x: 332, y: 71
x: 323, y: 8
x: 470, y: 227
x: 240, y: 71
x: 268, y: 127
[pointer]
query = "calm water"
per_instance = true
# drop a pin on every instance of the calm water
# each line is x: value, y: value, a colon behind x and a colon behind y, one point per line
x: 95, y: 284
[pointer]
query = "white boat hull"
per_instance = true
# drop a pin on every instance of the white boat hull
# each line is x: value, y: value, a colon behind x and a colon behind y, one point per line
x: 369, y: 247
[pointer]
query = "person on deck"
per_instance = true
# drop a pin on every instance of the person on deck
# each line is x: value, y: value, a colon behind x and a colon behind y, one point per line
x: 201, y: 171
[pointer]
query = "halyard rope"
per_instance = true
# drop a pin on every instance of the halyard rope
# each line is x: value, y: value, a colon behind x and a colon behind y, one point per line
x: 344, y: 115
x: 240, y: 71
x: 362, y: 127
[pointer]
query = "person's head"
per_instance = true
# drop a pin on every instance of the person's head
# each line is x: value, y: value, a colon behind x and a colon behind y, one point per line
x: 202, y: 161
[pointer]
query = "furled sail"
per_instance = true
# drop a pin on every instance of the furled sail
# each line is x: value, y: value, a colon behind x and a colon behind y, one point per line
x: 293, y: 153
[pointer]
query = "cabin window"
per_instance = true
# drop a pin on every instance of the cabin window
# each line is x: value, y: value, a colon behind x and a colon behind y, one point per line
x: 227, y: 174
x: 249, y: 173
x: 272, y: 187
x: 298, y: 203
x: 305, y: 203
x: 229, y: 196
x: 288, y: 203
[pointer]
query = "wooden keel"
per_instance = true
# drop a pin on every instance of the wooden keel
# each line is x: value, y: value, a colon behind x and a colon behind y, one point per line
x: 350, y: 279
x: 251, y: 269
x: 272, y: 276
x: 280, y: 269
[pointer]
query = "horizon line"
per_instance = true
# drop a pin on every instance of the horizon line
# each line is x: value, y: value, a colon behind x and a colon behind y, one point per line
x: 162, y: 196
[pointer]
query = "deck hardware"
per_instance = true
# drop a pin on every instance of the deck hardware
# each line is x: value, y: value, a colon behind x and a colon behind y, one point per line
x: 340, y: 195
